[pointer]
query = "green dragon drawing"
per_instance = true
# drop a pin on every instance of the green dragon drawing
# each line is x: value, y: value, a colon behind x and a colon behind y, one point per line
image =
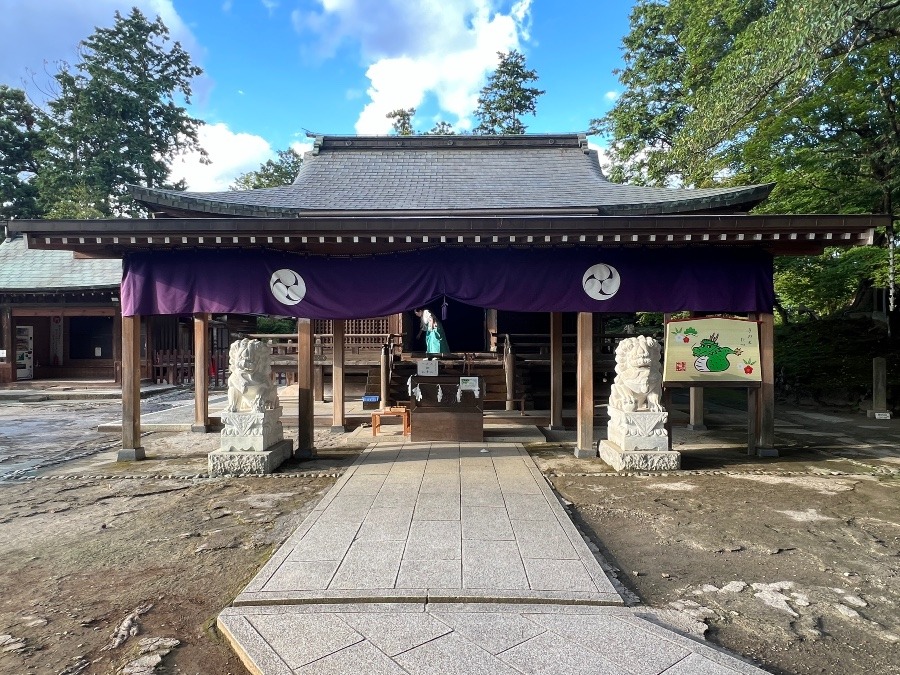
x: 711, y: 358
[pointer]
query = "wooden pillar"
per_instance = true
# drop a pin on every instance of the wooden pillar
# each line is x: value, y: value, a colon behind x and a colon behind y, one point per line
x: 7, y: 344
x: 385, y: 375
x: 766, y: 413
x: 306, y: 413
x: 117, y: 347
x: 131, y: 389
x: 490, y: 329
x: 319, y: 383
x: 201, y: 373
x: 556, y: 370
x: 584, y: 445
x: 338, y: 422
x: 509, y: 368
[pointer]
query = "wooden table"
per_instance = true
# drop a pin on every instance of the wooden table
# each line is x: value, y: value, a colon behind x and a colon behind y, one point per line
x: 396, y: 411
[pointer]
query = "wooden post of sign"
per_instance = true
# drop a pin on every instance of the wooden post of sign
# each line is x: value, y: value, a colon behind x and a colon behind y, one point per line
x: 201, y: 373
x: 305, y: 413
x: 879, y: 388
x: 695, y: 407
x: 131, y: 390
x: 556, y: 371
x: 584, y: 445
x: 766, y: 414
x: 338, y: 422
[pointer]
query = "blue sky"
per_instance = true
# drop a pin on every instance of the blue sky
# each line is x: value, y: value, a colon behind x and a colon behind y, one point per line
x: 273, y: 68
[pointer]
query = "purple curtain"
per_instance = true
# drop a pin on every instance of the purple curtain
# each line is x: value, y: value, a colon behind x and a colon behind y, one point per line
x: 560, y: 279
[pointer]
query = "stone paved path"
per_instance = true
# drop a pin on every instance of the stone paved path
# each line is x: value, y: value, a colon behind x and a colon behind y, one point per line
x: 447, y: 558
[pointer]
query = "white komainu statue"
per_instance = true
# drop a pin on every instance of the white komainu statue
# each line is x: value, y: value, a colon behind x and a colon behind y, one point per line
x: 250, y: 387
x: 638, y: 383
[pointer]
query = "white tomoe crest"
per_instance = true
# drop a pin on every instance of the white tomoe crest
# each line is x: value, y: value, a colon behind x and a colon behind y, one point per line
x: 287, y: 286
x: 601, y: 281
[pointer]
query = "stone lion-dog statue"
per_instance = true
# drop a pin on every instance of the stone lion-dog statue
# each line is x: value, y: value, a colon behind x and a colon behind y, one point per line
x: 638, y: 382
x: 250, y: 387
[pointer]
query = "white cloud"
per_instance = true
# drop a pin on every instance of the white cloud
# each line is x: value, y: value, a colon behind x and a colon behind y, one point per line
x: 35, y: 36
x: 611, y: 95
x: 230, y: 153
x: 439, y: 48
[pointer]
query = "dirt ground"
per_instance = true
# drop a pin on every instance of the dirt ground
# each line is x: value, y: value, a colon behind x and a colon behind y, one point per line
x: 792, y: 562
x: 101, y: 547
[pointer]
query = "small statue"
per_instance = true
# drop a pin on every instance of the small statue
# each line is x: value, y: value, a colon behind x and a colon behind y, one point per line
x: 638, y: 383
x: 250, y: 387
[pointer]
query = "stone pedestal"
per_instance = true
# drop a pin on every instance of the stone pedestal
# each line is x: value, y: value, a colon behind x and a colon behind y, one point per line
x: 249, y: 463
x: 639, y: 460
x: 252, y: 443
x: 638, y: 441
x: 247, y: 431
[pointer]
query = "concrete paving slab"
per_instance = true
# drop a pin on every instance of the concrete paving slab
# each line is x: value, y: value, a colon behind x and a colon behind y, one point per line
x: 394, y: 633
x: 369, y: 564
x: 551, y: 654
x: 486, y: 522
x: 430, y: 574
x: 440, y: 558
x: 452, y: 655
x: 494, y: 632
x: 361, y: 657
x: 434, y: 540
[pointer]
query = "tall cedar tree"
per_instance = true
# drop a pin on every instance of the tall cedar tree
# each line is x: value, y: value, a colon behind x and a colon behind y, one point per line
x: 117, y: 118
x: 272, y: 173
x: 505, y: 99
x: 20, y: 142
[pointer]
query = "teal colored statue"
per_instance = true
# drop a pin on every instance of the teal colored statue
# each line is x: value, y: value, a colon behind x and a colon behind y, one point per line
x: 435, y: 339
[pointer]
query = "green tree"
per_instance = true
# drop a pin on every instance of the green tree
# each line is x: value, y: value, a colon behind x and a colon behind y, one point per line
x: 20, y: 142
x: 505, y: 99
x: 401, y: 121
x: 272, y: 173
x: 831, y: 143
x: 441, y: 128
x: 117, y: 116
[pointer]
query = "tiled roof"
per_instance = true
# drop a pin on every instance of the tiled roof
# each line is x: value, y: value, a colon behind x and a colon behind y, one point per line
x: 450, y: 174
x: 24, y: 269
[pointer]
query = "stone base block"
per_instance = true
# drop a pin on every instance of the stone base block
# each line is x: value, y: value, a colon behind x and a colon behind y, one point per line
x: 249, y: 463
x: 131, y: 455
x: 639, y: 460
x: 585, y: 453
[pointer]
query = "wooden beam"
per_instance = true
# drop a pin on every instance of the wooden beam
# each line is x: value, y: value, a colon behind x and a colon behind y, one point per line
x: 584, y: 445
x: 305, y: 371
x: 338, y: 420
x: 766, y: 445
x: 131, y: 390
x: 201, y: 373
x: 556, y: 370
x: 57, y: 310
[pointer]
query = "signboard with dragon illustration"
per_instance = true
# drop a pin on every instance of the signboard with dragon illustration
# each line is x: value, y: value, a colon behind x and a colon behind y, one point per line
x: 712, y: 349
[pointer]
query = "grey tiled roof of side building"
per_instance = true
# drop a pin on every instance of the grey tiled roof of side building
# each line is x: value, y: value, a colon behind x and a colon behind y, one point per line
x: 422, y: 175
x: 24, y: 269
